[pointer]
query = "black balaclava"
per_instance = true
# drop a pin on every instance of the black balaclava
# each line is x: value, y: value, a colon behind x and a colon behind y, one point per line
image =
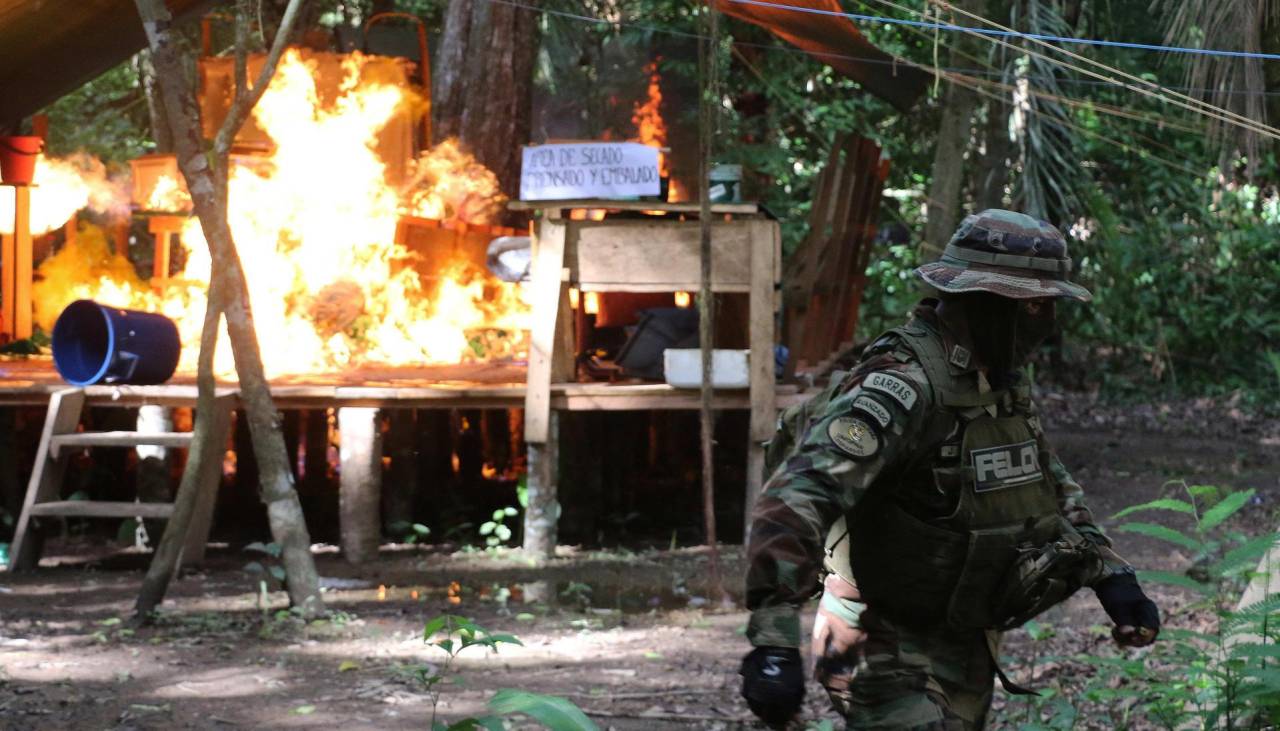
x: 1003, y: 330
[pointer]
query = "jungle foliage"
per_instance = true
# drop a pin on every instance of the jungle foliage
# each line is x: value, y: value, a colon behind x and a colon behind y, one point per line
x: 1175, y: 228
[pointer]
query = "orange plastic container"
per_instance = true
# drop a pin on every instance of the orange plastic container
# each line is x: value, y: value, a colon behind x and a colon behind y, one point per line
x: 18, y: 159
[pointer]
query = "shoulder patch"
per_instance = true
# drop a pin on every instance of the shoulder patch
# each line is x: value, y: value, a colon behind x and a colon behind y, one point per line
x: 854, y: 437
x: 873, y: 408
x: 899, y: 389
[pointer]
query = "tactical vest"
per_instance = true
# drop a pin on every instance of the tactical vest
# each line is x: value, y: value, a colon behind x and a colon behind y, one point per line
x: 968, y: 533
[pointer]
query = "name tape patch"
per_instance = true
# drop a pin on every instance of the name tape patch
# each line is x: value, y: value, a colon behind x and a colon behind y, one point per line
x: 1009, y: 465
x: 901, y: 391
x: 873, y: 409
x: 854, y: 437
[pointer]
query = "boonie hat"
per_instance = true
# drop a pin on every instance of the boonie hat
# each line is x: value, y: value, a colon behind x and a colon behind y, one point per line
x: 1005, y: 253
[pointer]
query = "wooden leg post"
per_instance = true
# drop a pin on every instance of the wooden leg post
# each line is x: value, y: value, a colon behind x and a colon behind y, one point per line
x: 23, y: 269
x: 46, y: 478
x: 360, y: 490
x: 764, y: 412
x: 541, y: 423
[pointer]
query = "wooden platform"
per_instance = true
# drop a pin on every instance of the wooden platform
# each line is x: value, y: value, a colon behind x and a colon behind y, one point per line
x: 467, y: 386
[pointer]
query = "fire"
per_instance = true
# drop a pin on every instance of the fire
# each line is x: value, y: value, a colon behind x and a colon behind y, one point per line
x: 315, y: 223
x: 62, y: 187
x: 651, y: 128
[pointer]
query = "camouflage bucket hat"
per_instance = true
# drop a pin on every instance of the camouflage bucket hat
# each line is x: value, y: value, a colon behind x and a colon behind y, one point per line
x: 1005, y: 253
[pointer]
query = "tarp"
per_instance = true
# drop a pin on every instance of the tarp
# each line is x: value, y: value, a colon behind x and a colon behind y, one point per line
x: 836, y: 42
x: 49, y: 48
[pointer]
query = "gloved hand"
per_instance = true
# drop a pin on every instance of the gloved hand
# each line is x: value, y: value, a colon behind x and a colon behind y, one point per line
x: 773, y: 683
x: 1136, y: 617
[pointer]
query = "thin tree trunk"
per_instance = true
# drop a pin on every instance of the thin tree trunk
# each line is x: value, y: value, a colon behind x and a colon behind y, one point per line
x: 206, y: 179
x: 707, y: 105
x: 991, y: 174
x: 952, y: 141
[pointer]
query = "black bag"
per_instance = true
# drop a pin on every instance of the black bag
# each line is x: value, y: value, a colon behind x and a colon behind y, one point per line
x: 659, y: 328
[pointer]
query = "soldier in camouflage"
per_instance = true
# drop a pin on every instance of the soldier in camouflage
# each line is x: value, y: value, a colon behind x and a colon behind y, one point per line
x: 920, y: 494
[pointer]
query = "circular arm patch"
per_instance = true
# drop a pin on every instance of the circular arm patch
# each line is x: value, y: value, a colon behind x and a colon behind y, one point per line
x: 854, y: 437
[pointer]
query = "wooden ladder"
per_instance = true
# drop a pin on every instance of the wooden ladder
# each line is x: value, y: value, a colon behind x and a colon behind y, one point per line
x: 59, y: 439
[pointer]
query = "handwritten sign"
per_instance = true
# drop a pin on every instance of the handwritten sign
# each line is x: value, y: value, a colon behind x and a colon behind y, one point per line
x: 589, y: 170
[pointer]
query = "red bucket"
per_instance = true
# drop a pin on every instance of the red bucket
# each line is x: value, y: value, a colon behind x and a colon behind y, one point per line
x: 18, y: 159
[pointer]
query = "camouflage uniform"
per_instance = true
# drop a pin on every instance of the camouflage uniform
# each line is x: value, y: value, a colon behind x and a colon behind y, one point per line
x: 877, y: 445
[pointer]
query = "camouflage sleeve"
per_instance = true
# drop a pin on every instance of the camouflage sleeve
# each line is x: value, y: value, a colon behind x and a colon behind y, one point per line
x: 1072, y: 506
x: 845, y: 448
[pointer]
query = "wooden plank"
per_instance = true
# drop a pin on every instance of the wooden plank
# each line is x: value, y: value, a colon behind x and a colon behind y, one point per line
x: 765, y: 238
x: 62, y: 417
x: 740, y: 209
x: 360, y: 488
x: 564, y: 348
x: 23, y: 270
x: 548, y: 261
x: 178, y: 440
x: 102, y: 509
x: 658, y: 255
x: 209, y: 480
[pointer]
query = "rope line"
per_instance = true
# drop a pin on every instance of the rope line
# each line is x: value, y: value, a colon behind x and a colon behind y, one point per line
x: 821, y: 54
x: 1145, y: 87
x: 1009, y: 33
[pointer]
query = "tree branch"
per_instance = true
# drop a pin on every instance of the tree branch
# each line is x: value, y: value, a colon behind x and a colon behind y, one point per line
x: 243, y: 104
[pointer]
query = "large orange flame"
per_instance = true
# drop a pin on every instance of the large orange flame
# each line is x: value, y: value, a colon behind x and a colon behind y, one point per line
x: 651, y: 128
x: 62, y: 187
x: 315, y: 224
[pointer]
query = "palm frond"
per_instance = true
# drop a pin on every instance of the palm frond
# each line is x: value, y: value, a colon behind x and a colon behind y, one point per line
x: 1235, y: 84
x: 1051, y: 178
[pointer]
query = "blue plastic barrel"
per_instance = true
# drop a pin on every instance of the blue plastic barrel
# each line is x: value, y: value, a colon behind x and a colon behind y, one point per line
x: 93, y: 343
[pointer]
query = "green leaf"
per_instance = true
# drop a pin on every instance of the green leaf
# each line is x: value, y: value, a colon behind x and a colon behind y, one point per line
x: 421, y: 529
x: 348, y: 665
x: 1255, y: 649
x: 277, y: 572
x: 504, y: 640
x: 109, y: 621
x: 1168, y: 577
x: 1229, y: 506
x: 1246, y: 555
x: 271, y: 549
x: 304, y: 710
x: 509, y: 511
x: 1177, y: 506
x: 553, y: 712
x: 487, y: 527
x: 446, y: 645
x: 1163, y: 533
x: 499, y: 514
x: 434, y: 625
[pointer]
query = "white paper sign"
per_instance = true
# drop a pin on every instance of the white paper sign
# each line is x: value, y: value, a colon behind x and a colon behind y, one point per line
x: 589, y: 170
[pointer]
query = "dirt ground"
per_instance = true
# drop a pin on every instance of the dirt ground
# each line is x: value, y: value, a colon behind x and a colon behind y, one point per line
x: 633, y: 639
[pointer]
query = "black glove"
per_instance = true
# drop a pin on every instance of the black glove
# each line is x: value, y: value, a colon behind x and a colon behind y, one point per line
x: 1136, y: 617
x: 773, y: 683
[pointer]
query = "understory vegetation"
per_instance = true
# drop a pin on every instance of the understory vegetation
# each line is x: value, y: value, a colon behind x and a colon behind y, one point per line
x: 1216, y: 664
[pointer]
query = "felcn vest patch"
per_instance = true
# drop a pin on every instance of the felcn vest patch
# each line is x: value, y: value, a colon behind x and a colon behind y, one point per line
x: 1007, y: 465
x: 901, y: 391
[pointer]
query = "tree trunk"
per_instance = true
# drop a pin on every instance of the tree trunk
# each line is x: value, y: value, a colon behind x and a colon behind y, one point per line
x: 156, y: 111
x: 483, y: 79
x: 206, y: 179
x: 991, y: 175
x: 958, y: 104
